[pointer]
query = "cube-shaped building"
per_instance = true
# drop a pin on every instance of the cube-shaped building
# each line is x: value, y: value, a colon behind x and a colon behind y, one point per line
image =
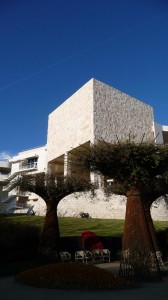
x: 95, y: 112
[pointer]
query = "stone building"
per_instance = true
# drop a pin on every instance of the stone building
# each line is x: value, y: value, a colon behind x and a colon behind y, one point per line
x: 96, y: 111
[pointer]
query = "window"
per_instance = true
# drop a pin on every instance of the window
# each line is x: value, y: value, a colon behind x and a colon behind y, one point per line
x: 32, y: 163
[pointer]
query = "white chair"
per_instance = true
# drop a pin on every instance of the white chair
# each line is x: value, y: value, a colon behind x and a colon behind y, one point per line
x: 159, y: 258
x: 97, y: 256
x: 126, y: 255
x: 65, y: 256
x: 84, y: 256
x: 105, y: 255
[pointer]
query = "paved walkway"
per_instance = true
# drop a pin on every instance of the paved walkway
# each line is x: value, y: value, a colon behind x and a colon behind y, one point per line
x: 11, y: 290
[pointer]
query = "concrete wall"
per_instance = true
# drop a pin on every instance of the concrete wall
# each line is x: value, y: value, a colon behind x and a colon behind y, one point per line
x: 116, y: 113
x: 71, y: 124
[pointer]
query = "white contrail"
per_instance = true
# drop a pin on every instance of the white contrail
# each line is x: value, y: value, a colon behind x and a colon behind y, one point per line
x: 78, y: 53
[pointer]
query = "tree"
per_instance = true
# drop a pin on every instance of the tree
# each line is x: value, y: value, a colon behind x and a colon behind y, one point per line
x: 157, y: 188
x: 134, y: 168
x: 51, y: 189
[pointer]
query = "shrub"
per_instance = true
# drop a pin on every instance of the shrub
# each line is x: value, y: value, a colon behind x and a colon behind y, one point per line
x: 72, y: 276
x: 21, y: 238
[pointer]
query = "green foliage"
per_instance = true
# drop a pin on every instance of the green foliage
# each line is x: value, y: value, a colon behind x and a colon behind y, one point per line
x: 68, y: 226
x: 130, y: 164
x: 73, y: 276
x: 22, y: 232
x: 17, y: 237
x: 51, y: 188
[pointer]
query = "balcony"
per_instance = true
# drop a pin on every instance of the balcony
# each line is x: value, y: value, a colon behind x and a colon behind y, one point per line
x: 3, y: 177
x: 21, y: 208
x: 22, y: 169
x: 5, y: 164
x: 28, y: 167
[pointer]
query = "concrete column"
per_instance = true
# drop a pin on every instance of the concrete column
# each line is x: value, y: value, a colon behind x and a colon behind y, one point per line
x: 49, y: 169
x: 96, y: 179
x: 66, y: 165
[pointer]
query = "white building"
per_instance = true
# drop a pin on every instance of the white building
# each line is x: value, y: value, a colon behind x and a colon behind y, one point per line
x: 94, y: 112
x: 5, y: 169
x: 30, y: 161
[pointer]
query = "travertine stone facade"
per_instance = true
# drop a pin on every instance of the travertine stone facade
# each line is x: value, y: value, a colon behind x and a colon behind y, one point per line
x: 71, y: 124
x: 116, y: 113
x: 159, y: 209
x: 97, y: 111
x: 100, y: 206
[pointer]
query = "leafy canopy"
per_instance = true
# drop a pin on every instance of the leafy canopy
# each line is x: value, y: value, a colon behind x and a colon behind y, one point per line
x: 130, y: 164
x: 52, y: 188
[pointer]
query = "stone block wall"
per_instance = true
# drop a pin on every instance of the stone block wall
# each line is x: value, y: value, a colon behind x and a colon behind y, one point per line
x: 97, y: 111
x: 71, y: 124
x: 100, y: 206
x: 116, y: 113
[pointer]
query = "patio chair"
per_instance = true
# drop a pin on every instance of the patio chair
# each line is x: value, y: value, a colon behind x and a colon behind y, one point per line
x: 83, y: 256
x: 126, y: 255
x: 65, y: 256
x: 97, y: 256
x: 105, y: 255
x: 159, y: 257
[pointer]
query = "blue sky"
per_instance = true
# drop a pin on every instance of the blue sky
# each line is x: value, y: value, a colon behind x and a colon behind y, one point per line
x: 50, y: 48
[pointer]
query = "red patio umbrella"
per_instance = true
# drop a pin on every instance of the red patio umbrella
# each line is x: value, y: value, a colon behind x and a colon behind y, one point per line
x: 90, y: 241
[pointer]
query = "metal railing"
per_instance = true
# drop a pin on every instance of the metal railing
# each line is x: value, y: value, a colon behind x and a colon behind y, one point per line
x: 28, y: 166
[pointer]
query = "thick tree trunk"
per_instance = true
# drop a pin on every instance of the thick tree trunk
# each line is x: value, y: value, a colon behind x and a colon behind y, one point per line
x: 136, y: 232
x: 138, y: 249
x: 50, y: 237
x: 151, y: 227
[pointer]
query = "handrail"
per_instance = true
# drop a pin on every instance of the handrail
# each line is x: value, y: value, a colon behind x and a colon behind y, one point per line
x: 28, y: 166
